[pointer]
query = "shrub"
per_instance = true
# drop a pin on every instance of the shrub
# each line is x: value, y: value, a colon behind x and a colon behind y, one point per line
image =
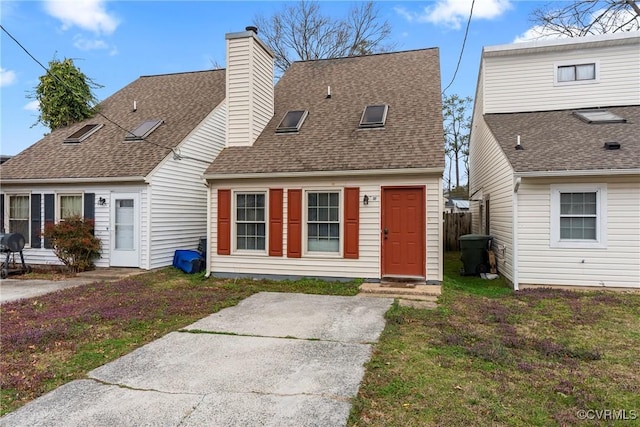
x: 74, y: 243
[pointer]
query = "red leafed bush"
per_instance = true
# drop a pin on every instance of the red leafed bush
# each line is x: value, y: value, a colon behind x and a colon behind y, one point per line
x: 74, y: 243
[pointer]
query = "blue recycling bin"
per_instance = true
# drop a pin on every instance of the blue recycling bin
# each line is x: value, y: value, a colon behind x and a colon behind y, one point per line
x: 188, y: 261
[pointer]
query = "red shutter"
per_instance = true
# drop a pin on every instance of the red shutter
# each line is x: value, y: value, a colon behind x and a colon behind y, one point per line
x: 275, y: 222
x: 294, y: 223
x: 224, y: 222
x: 351, y: 222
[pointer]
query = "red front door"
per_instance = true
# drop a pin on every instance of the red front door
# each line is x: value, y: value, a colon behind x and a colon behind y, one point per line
x: 403, y: 231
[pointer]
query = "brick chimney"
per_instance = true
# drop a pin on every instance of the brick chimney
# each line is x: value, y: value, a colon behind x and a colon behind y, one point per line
x: 249, y: 90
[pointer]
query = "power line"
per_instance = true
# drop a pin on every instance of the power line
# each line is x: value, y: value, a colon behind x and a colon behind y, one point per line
x: 175, y: 152
x: 464, y: 42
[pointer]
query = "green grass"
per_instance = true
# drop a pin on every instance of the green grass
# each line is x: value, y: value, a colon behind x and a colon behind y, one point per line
x: 485, y: 356
x: 55, y: 338
x: 489, y: 356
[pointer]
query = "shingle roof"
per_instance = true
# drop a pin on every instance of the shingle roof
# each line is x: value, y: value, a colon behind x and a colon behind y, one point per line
x: 560, y: 141
x: 330, y: 138
x: 182, y: 100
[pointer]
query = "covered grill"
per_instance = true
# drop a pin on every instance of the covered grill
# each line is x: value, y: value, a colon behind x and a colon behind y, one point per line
x: 10, y: 243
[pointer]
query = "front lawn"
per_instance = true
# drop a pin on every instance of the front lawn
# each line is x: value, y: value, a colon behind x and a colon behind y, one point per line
x: 487, y: 356
x: 49, y: 340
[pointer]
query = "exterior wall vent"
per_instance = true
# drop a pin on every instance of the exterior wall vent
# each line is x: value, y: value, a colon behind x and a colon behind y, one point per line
x: 611, y: 145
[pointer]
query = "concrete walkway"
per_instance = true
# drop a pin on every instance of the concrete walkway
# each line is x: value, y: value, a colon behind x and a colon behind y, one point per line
x: 15, y: 289
x: 275, y: 359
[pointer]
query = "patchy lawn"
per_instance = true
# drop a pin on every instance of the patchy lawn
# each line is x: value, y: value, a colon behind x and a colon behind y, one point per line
x: 49, y: 340
x: 488, y: 356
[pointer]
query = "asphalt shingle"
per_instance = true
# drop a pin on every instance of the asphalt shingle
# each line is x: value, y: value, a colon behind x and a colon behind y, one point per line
x: 330, y: 138
x: 182, y: 100
x: 560, y: 141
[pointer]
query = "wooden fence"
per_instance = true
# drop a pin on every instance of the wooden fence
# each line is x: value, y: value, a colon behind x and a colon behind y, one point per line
x: 456, y: 224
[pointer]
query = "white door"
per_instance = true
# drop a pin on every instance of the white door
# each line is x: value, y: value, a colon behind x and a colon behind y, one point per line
x: 125, y: 230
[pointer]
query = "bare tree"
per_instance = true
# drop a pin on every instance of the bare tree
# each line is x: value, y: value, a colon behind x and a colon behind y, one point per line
x: 583, y: 17
x: 457, y: 126
x: 301, y: 31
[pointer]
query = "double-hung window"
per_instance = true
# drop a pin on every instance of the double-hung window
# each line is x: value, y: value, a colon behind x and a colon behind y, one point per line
x: 70, y: 205
x: 578, y: 216
x: 323, y: 221
x: 572, y: 73
x: 19, y: 215
x: 250, y: 221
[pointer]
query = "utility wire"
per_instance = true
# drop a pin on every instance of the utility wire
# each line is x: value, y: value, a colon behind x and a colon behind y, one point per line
x: 464, y: 42
x: 175, y: 152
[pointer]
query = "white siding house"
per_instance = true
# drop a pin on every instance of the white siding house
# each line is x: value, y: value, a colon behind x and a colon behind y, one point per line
x: 310, y: 190
x: 555, y: 160
x: 145, y: 193
x: 366, y: 266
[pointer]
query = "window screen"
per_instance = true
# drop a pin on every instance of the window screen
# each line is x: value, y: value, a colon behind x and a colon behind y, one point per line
x: 250, y: 221
x: 578, y: 216
x: 323, y: 222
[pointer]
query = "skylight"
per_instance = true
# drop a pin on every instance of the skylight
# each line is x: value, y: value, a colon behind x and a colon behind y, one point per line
x: 83, y: 133
x: 142, y: 131
x: 599, y: 116
x: 292, y: 121
x: 374, y: 116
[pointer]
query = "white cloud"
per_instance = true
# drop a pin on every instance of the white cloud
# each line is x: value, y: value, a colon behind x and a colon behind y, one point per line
x: 624, y: 20
x: 537, y: 33
x: 89, y: 15
x: 453, y: 13
x: 32, y: 106
x: 409, y: 16
x: 7, y: 77
x: 87, y: 44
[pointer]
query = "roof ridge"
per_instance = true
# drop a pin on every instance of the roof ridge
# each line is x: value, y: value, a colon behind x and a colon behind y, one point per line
x: 367, y: 56
x: 182, y: 72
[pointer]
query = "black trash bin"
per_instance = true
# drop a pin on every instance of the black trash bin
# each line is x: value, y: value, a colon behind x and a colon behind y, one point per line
x: 473, y: 253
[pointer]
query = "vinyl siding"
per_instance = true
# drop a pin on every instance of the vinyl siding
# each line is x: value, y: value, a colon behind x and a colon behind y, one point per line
x: 614, y: 266
x: 249, y: 90
x: 367, y: 266
x: 525, y: 82
x: 179, y: 194
x: 491, y: 176
x: 262, y: 94
x: 42, y: 256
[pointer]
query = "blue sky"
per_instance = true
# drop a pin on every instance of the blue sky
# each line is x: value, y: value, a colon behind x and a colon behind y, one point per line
x: 115, y: 42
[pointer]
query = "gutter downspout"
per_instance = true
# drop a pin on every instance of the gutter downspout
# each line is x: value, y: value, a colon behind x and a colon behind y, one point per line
x: 514, y: 233
x: 208, y: 260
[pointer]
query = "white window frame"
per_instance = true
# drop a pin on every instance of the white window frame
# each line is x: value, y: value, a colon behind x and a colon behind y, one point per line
x: 601, y: 216
x: 575, y: 62
x: 305, y: 228
x: 234, y: 231
x: 58, y: 206
x: 7, y: 215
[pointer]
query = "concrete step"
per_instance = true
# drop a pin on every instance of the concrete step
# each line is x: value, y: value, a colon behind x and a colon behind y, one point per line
x: 417, y: 292
x: 396, y: 281
x: 418, y: 296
